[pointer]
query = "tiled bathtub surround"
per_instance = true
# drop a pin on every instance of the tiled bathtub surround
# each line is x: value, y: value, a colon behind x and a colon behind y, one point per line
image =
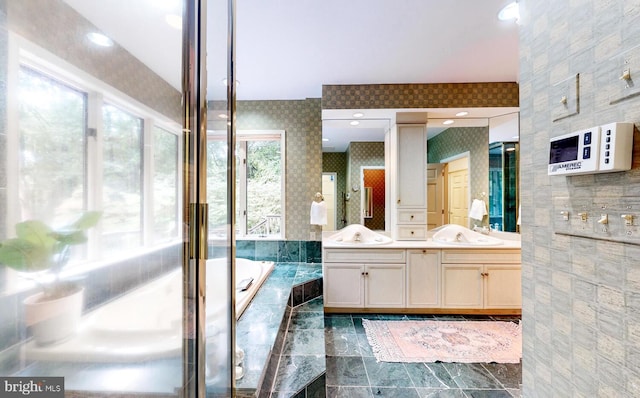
x: 273, y: 250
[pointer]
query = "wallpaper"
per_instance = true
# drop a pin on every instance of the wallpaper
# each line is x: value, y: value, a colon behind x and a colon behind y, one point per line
x: 336, y: 162
x: 457, y: 140
x: 301, y: 121
x: 416, y: 95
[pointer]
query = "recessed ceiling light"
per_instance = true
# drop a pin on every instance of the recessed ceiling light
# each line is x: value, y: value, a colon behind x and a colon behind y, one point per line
x: 325, y: 140
x: 515, y: 137
x: 175, y: 21
x: 222, y: 115
x: 463, y: 113
x: 509, y: 12
x: 358, y: 114
x: 448, y: 122
x: 100, y: 39
x: 354, y: 122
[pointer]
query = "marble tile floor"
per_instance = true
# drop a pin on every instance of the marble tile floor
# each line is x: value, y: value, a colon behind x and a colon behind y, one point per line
x: 352, y: 370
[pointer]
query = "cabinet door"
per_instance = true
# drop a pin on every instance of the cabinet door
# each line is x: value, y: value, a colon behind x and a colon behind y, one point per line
x: 384, y: 285
x: 412, y: 166
x: 423, y: 278
x: 502, y: 286
x: 462, y: 286
x: 343, y: 285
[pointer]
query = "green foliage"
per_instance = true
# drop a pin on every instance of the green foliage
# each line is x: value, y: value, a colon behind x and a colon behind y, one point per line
x: 37, y: 247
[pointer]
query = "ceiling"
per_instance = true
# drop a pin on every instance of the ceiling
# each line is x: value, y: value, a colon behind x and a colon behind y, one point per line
x: 287, y: 49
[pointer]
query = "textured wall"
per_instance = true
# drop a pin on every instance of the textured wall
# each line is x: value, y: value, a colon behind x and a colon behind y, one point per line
x: 336, y: 162
x: 58, y: 28
x: 301, y: 121
x: 457, y: 140
x: 360, y: 154
x: 581, y: 295
x: 419, y: 95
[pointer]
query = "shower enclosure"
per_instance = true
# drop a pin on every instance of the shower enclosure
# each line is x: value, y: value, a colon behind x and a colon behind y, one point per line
x: 503, y: 186
x: 92, y: 120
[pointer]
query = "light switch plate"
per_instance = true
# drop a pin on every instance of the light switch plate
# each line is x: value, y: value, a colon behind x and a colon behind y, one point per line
x: 565, y: 98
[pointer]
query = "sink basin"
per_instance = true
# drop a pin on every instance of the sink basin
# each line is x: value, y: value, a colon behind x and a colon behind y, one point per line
x: 461, y: 236
x: 358, y: 235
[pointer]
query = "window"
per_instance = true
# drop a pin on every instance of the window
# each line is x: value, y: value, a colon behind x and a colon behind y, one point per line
x: 59, y: 164
x: 51, y: 169
x: 165, y: 185
x: 259, y: 184
x: 122, y: 180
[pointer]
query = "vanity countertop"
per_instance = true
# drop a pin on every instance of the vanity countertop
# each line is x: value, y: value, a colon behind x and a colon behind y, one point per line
x: 423, y: 244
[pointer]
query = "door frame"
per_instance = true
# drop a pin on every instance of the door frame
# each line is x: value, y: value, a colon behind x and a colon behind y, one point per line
x: 448, y: 160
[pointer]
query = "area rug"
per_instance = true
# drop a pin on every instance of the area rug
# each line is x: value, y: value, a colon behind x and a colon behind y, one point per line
x: 445, y: 341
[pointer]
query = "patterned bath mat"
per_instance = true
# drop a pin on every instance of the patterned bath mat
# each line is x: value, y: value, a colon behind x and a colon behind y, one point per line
x: 445, y: 341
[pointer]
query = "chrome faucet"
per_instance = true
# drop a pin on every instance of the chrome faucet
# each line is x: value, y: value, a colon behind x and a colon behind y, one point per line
x: 356, y: 237
x: 459, y: 237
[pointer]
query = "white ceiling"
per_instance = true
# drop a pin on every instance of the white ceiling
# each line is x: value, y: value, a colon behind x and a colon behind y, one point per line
x: 287, y: 49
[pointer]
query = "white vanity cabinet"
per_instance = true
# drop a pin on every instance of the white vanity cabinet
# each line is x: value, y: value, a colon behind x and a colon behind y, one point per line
x: 364, y: 278
x: 410, y: 205
x: 481, y: 279
x: 423, y: 278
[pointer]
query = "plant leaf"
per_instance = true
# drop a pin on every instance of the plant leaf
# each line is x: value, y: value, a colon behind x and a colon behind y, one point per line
x: 24, y: 256
x: 37, y: 233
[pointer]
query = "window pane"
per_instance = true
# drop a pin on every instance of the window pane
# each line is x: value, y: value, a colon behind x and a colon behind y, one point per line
x: 165, y: 185
x: 264, y: 187
x: 122, y: 180
x: 52, y: 123
x: 217, y: 187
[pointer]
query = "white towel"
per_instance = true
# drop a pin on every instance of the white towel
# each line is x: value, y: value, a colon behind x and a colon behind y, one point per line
x: 318, y: 213
x: 478, y: 209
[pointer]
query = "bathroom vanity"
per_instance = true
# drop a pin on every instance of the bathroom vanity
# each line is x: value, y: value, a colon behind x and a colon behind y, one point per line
x: 428, y: 276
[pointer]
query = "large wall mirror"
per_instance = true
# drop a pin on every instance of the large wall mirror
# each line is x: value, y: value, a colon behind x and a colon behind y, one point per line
x: 481, y: 142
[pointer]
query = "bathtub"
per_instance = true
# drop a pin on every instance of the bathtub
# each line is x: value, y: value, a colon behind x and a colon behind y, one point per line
x: 146, y: 323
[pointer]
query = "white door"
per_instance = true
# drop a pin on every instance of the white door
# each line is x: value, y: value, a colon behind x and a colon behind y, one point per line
x: 423, y: 278
x: 503, y: 286
x: 384, y: 285
x: 329, y: 195
x: 458, y: 182
x: 462, y: 286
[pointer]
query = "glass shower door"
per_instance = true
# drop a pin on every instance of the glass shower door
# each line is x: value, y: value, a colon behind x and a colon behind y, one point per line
x: 103, y: 163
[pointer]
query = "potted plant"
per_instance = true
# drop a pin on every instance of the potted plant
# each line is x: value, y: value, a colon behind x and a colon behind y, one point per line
x: 42, y: 251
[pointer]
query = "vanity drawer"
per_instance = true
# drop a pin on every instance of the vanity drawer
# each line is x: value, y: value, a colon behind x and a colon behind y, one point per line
x: 409, y: 232
x: 365, y: 255
x: 485, y: 256
x: 412, y: 216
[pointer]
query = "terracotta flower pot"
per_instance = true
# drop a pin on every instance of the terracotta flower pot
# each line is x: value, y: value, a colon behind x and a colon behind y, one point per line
x: 54, y: 320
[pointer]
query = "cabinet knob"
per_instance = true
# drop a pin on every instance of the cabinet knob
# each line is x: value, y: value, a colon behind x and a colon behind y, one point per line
x: 412, y: 232
x: 398, y: 201
x: 412, y: 216
x: 483, y: 274
x: 424, y: 251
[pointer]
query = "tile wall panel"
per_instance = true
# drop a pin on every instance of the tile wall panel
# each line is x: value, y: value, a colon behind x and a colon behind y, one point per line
x: 579, y: 292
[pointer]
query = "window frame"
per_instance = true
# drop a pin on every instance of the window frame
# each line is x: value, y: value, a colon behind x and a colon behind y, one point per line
x: 242, y: 136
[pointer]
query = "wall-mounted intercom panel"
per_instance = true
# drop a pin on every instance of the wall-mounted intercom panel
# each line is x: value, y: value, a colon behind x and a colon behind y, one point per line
x: 599, y: 149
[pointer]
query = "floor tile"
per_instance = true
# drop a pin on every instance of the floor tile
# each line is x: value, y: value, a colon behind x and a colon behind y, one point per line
x: 306, y: 320
x: 471, y: 375
x: 349, y: 392
x: 346, y: 371
x: 394, y: 392
x: 294, y: 372
x: 487, y: 394
x: 432, y: 375
x: 440, y: 393
x: 386, y: 374
x: 304, y: 342
x: 341, y: 344
x: 508, y: 374
x: 339, y: 322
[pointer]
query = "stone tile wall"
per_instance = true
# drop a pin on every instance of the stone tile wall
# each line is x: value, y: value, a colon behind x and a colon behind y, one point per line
x: 581, y: 292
